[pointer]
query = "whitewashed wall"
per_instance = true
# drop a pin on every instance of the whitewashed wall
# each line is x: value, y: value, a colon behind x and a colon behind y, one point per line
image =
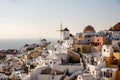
x: 48, y: 77
x: 71, y: 68
x: 35, y: 72
x: 107, y: 50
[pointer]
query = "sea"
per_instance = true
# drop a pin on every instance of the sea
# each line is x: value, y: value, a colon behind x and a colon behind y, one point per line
x: 18, y: 43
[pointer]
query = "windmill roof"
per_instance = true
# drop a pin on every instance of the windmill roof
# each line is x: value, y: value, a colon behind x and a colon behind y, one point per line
x: 66, y: 29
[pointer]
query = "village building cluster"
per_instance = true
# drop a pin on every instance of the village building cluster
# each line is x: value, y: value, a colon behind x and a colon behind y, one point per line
x: 88, y: 55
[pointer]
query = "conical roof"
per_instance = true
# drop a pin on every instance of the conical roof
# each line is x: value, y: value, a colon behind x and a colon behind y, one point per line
x: 66, y: 29
x: 116, y: 27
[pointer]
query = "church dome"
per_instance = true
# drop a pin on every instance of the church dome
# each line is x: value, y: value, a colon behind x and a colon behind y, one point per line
x: 89, y: 29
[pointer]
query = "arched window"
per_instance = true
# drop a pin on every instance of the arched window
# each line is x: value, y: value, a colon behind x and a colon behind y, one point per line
x: 109, y: 73
x: 104, y: 50
x: 79, y: 77
x: 119, y: 44
x: 93, y: 72
x: 104, y: 74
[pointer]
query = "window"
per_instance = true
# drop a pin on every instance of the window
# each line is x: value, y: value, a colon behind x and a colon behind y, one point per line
x: 104, y: 50
x: 117, y: 38
x: 108, y: 74
x: 93, y: 72
x: 104, y: 74
x: 52, y: 77
x: 50, y: 62
x: 97, y: 39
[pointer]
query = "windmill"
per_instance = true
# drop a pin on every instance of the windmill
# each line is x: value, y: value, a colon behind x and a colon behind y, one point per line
x: 61, y: 31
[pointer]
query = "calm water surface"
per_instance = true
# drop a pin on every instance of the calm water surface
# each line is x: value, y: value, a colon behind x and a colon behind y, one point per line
x: 17, y: 43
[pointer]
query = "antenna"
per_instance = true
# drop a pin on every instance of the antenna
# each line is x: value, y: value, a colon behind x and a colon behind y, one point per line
x: 61, y: 31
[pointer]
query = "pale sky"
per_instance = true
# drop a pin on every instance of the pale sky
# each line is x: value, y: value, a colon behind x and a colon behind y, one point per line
x: 41, y: 18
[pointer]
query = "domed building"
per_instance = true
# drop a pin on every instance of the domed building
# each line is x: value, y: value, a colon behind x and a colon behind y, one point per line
x: 88, y: 29
x: 87, y: 36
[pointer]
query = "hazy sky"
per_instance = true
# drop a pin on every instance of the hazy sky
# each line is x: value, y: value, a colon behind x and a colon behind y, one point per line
x: 41, y: 18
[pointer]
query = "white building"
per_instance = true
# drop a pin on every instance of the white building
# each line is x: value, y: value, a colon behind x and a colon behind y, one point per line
x: 108, y: 73
x: 101, y: 33
x: 66, y: 34
x: 116, y: 39
x: 86, y: 77
x: 52, y: 63
x: 115, y: 30
x: 3, y: 77
x: 49, y: 77
x: 107, y: 50
x: 43, y: 42
x: 56, y: 48
x: 67, y: 43
x: 96, y: 69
